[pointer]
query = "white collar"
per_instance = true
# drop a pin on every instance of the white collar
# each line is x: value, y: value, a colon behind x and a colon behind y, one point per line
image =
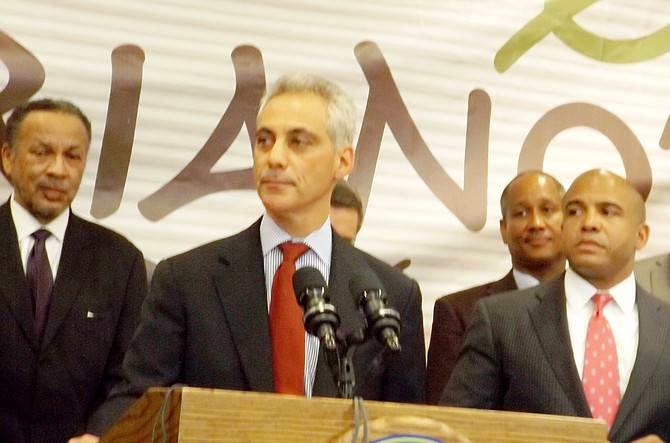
x: 579, y: 291
x: 26, y: 224
x: 319, y: 241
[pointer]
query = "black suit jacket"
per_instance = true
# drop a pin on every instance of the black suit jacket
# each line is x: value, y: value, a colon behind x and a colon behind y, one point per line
x: 451, y: 318
x: 50, y: 389
x: 205, y: 323
x: 517, y: 356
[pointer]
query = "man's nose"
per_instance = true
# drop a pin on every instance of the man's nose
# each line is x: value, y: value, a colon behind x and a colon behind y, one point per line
x: 590, y: 220
x: 277, y: 156
x: 57, y: 165
x: 536, y: 219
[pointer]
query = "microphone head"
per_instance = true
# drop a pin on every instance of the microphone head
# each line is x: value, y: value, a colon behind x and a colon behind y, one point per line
x: 381, y: 321
x: 307, y: 278
x: 320, y: 317
x: 365, y: 283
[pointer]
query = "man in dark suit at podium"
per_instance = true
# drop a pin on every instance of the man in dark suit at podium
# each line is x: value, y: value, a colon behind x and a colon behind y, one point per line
x: 208, y: 320
x: 531, y: 228
x: 70, y: 290
x: 589, y: 343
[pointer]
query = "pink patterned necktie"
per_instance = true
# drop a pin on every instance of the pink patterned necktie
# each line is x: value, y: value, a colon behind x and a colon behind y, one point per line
x: 600, y: 377
x: 287, y: 332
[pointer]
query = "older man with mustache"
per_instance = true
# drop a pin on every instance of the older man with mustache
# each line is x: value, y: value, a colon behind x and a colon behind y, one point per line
x: 70, y: 290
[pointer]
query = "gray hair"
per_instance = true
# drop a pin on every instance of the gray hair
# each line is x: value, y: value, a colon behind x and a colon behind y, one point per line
x: 341, y: 111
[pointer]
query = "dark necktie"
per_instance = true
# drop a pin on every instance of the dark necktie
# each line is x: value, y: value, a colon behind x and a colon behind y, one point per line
x: 286, y: 329
x: 601, y: 371
x: 40, y: 280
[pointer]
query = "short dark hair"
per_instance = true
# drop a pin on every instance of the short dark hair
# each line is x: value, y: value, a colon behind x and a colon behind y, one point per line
x: 345, y: 196
x: 46, y: 104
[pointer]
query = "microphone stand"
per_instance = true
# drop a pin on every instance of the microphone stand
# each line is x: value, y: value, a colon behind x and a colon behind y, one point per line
x: 341, y: 364
x: 343, y: 369
x: 320, y: 318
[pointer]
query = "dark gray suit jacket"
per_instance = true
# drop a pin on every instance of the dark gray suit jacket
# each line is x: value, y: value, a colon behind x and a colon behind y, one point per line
x: 451, y: 318
x: 653, y: 274
x: 517, y: 356
x: 50, y: 389
x: 205, y: 324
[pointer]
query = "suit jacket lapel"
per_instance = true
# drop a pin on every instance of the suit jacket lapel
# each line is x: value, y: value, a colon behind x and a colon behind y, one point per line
x: 240, y: 285
x: 14, y: 290
x: 653, y: 327
x: 549, y: 319
x: 76, y: 257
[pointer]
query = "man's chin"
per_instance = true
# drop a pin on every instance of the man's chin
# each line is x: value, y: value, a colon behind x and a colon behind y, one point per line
x: 47, y: 212
x: 276, y: 201
x: 542, y: 254
x: 585, y: 262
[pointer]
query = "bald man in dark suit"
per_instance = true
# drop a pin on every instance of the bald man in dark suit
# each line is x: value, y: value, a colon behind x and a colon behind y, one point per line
x: 529, y: 350
x: 531, y: 228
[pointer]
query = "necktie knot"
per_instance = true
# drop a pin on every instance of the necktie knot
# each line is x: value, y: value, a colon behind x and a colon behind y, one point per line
x: 600, y: 299
x: 291, y: 251
x: 40, y: 235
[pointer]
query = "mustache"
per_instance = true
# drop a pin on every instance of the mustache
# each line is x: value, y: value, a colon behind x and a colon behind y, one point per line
x: 53, y: 183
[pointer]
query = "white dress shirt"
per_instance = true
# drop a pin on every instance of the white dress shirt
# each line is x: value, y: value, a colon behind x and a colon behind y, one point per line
x: 524, y: 280
x: 26, y: 224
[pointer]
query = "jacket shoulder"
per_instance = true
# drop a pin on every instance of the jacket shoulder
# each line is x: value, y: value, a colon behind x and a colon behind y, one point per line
x: 102, y: 235
x: 468, y: 297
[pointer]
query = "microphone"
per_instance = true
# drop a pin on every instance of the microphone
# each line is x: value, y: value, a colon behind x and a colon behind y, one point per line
x: 320, y: 317
x: 383, y: 322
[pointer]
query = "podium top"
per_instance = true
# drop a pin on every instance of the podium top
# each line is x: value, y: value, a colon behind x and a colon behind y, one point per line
x: 198, y: 415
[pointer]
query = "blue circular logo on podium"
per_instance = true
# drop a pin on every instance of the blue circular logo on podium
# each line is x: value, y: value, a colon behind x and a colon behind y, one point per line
x: 407, y: 438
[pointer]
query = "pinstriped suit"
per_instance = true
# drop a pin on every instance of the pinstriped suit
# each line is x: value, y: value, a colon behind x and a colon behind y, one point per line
x: 517, y: 356
x: 451, y: 318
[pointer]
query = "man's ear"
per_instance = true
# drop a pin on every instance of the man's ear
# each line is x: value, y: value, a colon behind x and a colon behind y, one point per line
x: 642, y: 236
x: 503, y: 230
x: 345, y: 161
x: 6, y: 166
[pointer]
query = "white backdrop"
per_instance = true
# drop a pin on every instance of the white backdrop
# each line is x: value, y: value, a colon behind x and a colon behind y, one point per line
x: 609, y: 54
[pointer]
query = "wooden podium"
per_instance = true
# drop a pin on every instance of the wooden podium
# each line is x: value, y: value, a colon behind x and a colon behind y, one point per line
x: 209, y: 415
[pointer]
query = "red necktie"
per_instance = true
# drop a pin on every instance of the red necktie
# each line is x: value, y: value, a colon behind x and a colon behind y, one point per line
x: 286, y: 329
x: 600, y: 377
x: 39, y: 279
